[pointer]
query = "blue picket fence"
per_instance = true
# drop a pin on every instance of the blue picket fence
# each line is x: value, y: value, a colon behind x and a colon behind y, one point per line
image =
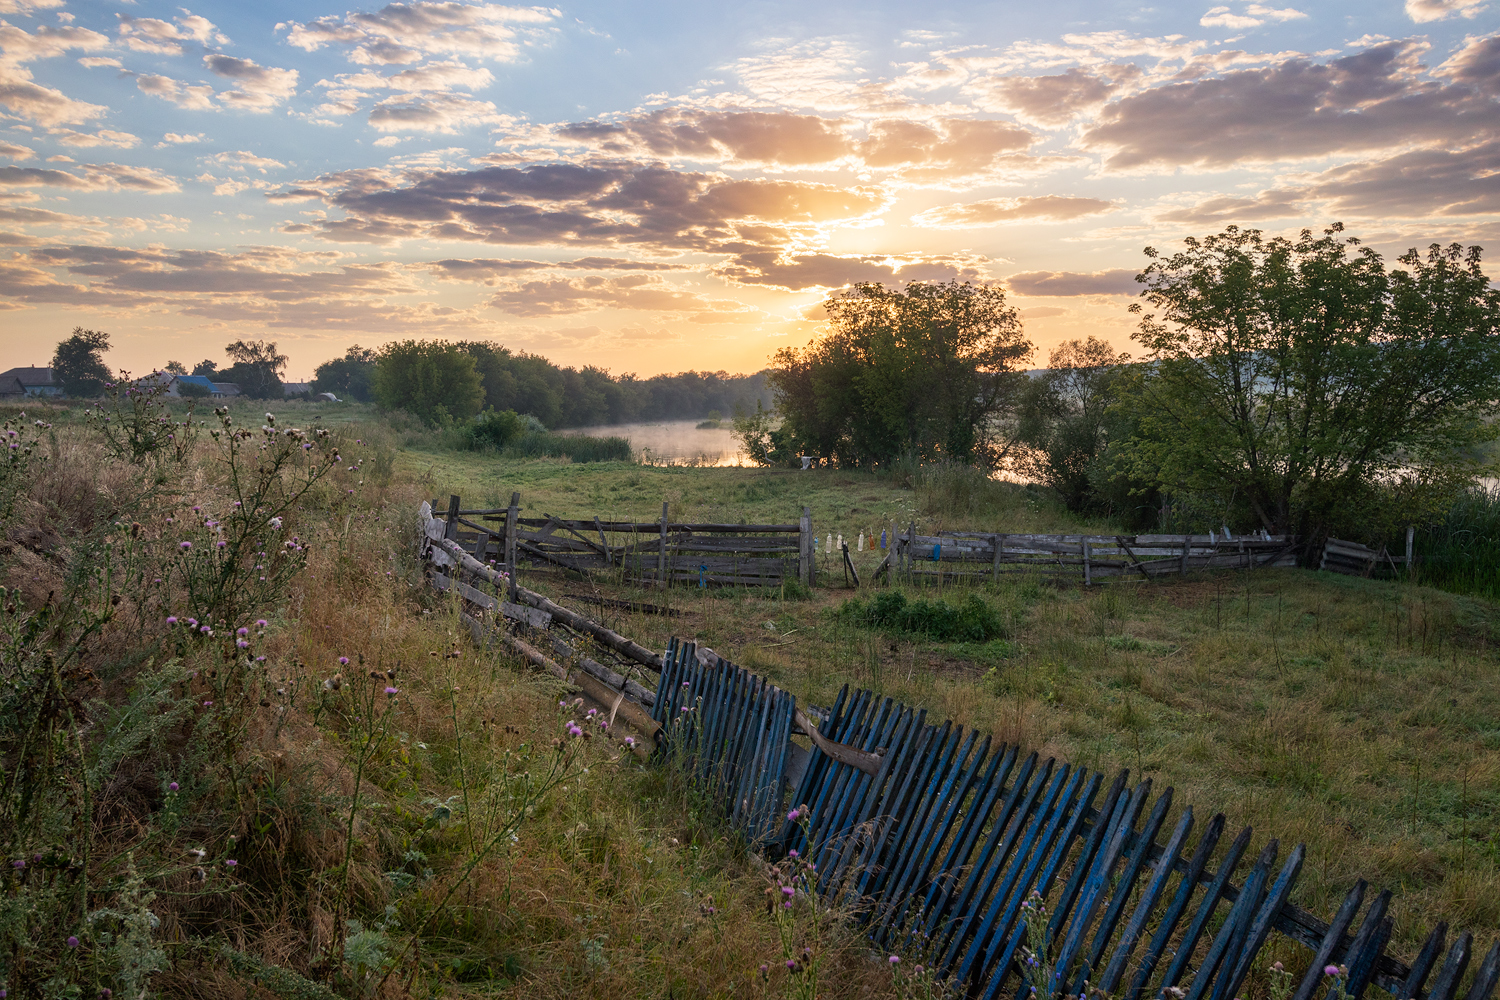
x: 950, y: 835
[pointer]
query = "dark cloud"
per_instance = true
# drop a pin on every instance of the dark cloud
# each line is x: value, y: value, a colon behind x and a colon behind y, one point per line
x: 1225, y: 209
x: 1055, y: 100
x: 1293, y: 109
x: 800, y: 271
x: 1477, y: 64
x: 91, y: 177
x: 1116, y: 281
x: 487, y: 269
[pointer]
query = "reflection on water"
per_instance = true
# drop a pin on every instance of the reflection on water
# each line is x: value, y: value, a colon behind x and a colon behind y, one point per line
x: 675, y: 442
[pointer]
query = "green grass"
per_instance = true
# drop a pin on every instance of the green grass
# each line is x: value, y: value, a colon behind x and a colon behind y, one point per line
x: 1462, y: 553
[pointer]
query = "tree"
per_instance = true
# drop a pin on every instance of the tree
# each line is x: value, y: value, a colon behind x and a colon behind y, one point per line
x: 349, y: 377
x: 175, y: 368
x: 1300, y: 381
x: 77, y: 365
x: 433, y: 380
x: 206, y: 368
x: 920, y: 373
x: 256, y: 370
x: 1063, y: 419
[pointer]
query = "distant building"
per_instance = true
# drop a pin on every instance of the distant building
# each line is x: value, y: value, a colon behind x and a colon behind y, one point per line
x: 226, y: 390
x: 201, y: 381
x: 34, y: 381
x: 290, y: 389
x: 11, y: 388
x: 174, y: 384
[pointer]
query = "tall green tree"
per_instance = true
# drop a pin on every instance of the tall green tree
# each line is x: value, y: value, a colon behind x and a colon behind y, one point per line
x: 1301, y: 378
x: 78, y: 364
x: 924, y: 372
x: 256, y: 370
x: 1063, y: 419
x: 431, y: 379
x: 349, y: 377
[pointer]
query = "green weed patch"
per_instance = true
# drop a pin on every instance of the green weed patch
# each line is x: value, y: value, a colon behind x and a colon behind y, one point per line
x: 971, y: 621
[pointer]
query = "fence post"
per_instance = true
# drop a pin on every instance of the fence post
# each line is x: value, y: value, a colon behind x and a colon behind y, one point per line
x: 450, y: 530
x: 1411, y: 534
x: 661, y: 555
x: 1088, y: 568
x: 1186, y: 540
x: 999, y: 541
x: 512, y: 527
x: 804, y: 548
x: 911, y: 544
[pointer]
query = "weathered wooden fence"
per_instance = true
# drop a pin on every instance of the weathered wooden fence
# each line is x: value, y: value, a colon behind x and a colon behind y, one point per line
x: 655, y: 552
x: 970, y: 555
x: 942, y: 837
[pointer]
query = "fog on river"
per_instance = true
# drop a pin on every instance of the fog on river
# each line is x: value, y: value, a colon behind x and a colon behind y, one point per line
x: 675, y: 442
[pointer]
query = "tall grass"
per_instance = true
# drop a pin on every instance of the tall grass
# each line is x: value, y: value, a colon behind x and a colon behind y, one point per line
x: 1462, y: 553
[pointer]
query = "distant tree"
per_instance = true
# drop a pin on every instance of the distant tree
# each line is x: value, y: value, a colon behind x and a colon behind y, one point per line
x: 175, y: 368
x: 1063, y: 419
x: 349, y: 377
x: 921, y: 373
x: 207, y: 368
x: 192, y: 390
x: 1303, y: 379
x: 434, y: 380
x: 78, y: 366
x: 257, y: 368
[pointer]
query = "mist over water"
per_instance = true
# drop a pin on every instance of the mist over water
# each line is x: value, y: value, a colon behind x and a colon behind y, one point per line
x: 674, y: 442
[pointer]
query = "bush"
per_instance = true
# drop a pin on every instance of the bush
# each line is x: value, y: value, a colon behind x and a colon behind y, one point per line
x: 890, y: 611
x: 492, y: 430
x: 1462, y: 553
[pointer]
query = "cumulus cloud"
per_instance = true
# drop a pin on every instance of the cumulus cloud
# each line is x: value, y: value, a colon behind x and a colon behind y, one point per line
x: 1423, y: 11
x: 801, y: 271
x: 259, y: 88
x: 91, y: 177
x: 1221, y: 210
x: 564, y: 296
x: 94, y: 62
x: 1254, y: 16
x: 197, y: 97
x: 1115, y: 281
x: 994, y: 211
x: 445, y: 113
x: 177, y: 139
x: 1051, y: 101
x: 1292, y: 109
x: 618, y: 204
x: 487, y: 269
x: 103, y: 137
x: 28, y: 7
x: 1477, y: 64
x: 403, y: 33
x: 242, y: 159
x: 445, y: 75
x: 149, y: 34
x: 45, y: 105
x: 15, y: 152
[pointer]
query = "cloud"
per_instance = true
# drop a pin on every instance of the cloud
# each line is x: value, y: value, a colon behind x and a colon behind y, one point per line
x: 820, y: 73
x: 403, y: 33
x: 1411, y: 184
x: 149, y: 34
x: 44, y: 105
x: 1221, y: 210
x: 1477, y: 64
x: 48, y: 42
x: 611, y: 204
x: 261, y: 88
x: 1423, y: 11
x: 179, y: 139
x: 28, y: 7
x: 564, y: 296
x: 91, y: 177
x: 1293, y: 109
x: 1254, y: 16
x: 1051, y: 101
x: 801, y: 271
x: 994, y: 211
x: 1115, y: 281
x: 94, y: 62
x: 103, y: 137
x: 197, y: 97
x: 434, y: 76
x: 445, y: 113
x: 14, y: 152
x: 242, y: 159
x: 487, y: 269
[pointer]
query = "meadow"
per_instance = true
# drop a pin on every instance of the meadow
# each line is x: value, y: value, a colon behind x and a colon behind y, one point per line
x: 417, y: 820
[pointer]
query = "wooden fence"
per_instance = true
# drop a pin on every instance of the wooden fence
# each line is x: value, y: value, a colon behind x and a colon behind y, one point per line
x: 655, y: 552
x: 970, y: 555
x: 945, y: 837
x: 942, y: 836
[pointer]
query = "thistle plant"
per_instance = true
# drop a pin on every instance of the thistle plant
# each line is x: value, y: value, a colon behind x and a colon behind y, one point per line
x: 135, y: 424
x: 801, y: 918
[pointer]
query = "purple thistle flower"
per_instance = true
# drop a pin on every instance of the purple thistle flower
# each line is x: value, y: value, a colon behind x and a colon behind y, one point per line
x: 793, y: 816
x: 171, y: 619
x: 630, y: 741
x: 242, y: 643
x: 260, y: 623
x: 792, y: 853
x: 172, y: 787
x: 343, y: 661
x: 392, y: 692
x: 230, y: 862
x: 72, y: 941
x: 184, y: 546
x: 1330, y: 970
x: 18, y: 864
x: 242, y: 631
x: 894, y: 960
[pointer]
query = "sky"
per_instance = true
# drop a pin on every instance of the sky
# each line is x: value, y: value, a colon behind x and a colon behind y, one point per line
x: 661, y: 186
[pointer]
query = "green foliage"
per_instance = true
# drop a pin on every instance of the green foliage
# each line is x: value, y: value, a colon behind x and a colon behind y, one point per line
x: 21, y: 440
x: 921, y: 373
x: 192, y: 390
x: 891, y: 611
x: 78, y: 364
x: 493, y: 430
x: 134, y: 423
x: 433, y: 380
x: 765, y: 439
x: 256, y: 370
x: 1286, y: 376
x: 349, y: 377
x: 1461, y: 552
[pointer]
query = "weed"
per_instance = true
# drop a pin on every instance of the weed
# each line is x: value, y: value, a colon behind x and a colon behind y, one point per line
x: 891, y: 611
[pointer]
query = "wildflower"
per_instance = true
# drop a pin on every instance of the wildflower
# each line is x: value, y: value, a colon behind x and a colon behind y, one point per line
x: 193, y: 622
x: 391, y: 692
x: 684, y: 710
x: 593, y: 712
x: 72, y: 941
x: 1330, y: 970
x: 18, y: 864
x: 573, y: 730
x: 895, y: 959
x: 208, y: 704
x: 793, y: 816
x: 1277, y: 967
x: 260, y: 623
x: 242, y: 643
x: 343, y: 661
x: 791, y: 963
x: 230, y: 862
x: 787, y: 890
x: 171, y: 619
x: 205, y: 630
x: 792, y: 853
x: 260, y: 659
x: 275, y: 523
x: 630, y: 741
x: 172, y: 787
x: 334, y: 683
x: 603, y: 723
x: 184, y: 546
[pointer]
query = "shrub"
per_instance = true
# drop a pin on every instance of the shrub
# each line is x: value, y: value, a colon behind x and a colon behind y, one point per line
x: 890, y: 611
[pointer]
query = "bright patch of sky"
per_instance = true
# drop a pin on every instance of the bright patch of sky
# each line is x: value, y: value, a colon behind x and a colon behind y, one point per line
x: 660, y: 186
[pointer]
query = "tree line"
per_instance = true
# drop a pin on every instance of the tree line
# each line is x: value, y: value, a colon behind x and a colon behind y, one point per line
x: 1288, y: 385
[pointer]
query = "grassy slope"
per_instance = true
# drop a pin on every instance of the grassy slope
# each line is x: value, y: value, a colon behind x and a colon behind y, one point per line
x: 1357, y: 716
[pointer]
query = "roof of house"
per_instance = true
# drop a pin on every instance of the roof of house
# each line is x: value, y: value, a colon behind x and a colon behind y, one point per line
x: 226, y: 388
x: 296, y: 388
x: 11, y: 386
x: 199, y: 380
x: 29, y: 375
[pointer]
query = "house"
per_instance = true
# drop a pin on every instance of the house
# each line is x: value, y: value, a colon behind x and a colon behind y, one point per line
x: 291, y: 389
x: 11, y: 388
x: 176, y: 385
x: 226, y: 390
x: 34, y: 381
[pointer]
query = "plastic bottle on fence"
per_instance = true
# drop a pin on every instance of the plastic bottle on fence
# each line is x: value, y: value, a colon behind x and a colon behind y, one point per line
x: 861, y: 541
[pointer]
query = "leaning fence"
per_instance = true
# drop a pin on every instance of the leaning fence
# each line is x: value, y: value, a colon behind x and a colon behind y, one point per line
x: 942, y: 836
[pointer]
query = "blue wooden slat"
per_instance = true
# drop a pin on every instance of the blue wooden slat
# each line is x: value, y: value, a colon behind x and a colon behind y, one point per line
x: 1260, y: 927
x: 1332, y: 939
x: 947, y: 882
x: 1358, y: 959
x: 817, y: 799
x: 867, y: 793
x: 901, y: 818
x: 1486, y: 976
x: 1175, y: 909
x: 1236, y: 922
x: 846, y: 779
x: 1212, y: 896
x: 893, y: 728
x: 1115, y: 801
x: 1453, y: 968
x: 817, y: 764
x: 1136, y: 925
x: 930, y: 818
x: 1426, y: 959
